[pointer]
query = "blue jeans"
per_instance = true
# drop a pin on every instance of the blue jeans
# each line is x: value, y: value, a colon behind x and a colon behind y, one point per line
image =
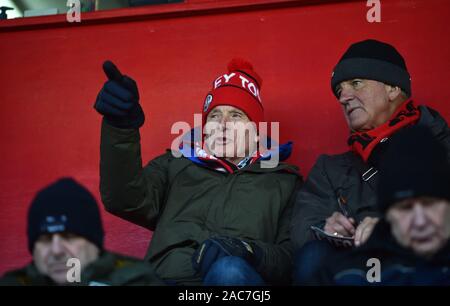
x: 309, y: 259
x: 232, y: 271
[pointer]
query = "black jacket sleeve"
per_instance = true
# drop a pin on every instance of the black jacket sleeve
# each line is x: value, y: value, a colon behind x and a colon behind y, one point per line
x: 315, y: 202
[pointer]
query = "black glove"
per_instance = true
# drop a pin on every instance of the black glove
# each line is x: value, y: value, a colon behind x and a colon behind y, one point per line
x: 215, y: 248
x: 118, y: 100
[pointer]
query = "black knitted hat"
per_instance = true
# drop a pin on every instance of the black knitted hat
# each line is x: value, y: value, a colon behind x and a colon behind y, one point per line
x: 415, y: 164
x: 373, y: 60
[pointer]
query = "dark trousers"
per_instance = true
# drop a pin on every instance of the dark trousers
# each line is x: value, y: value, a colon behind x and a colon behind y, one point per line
x: 309, y: 259
x: 232, y: 271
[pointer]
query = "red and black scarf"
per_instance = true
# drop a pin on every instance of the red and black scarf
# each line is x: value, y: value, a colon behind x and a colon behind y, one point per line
x: 363, y: 143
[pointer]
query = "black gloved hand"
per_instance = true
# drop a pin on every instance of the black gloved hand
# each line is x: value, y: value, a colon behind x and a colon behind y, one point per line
x: 215, y: 248
x: 118, y: 100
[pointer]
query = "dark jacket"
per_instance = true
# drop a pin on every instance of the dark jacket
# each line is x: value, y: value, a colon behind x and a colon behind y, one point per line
x: 109, y: 269
x: 342, y: 175
x: 398, y: 266
x: 186, y: 202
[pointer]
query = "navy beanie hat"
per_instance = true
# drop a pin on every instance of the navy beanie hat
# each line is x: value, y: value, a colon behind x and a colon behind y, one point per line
x: 65, y: 206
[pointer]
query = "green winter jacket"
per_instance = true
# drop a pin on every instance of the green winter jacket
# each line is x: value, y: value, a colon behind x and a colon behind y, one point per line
x: 185, y: 203
x: 109, y: 269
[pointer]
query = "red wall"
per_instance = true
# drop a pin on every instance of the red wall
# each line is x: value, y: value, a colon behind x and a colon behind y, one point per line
x: 50, y: 74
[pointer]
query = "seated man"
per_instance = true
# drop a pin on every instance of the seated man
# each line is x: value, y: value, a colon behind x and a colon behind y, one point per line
x: 219, y: 216
x: 64, y: 223
x: 373, y: 86
x: 411, y: 243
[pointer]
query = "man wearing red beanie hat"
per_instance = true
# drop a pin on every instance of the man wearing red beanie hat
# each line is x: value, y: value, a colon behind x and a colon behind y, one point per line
x: 232, y: 113
x: 219, y: 216
x: 240, y: 88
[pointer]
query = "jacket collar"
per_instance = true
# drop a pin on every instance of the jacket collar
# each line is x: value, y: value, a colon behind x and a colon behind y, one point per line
x: 190, y: 148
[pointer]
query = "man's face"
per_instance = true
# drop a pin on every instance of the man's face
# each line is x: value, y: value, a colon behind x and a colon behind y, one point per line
x: 229, y: 133
x: 365, y: 103
x: 421, y: 224
x: 51, y: 252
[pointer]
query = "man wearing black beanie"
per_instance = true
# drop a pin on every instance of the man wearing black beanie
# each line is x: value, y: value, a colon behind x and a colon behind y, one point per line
x: 64, y: 229
x: 412, y: 240
x: 337, y: 204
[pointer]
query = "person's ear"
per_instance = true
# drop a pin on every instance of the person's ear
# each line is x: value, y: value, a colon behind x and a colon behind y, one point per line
x: 393, y: 92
